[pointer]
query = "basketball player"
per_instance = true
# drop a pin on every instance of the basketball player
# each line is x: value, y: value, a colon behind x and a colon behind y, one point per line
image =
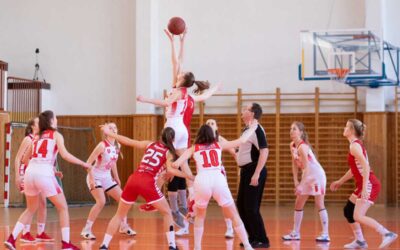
x: 219, y: 138
x: 32, y: 129
x: 179, y: 110
x: 313, y: 182
x: 367, y: 189
x: 210, y: 182
x: 40, y: 178
x: 143, y: 182
x: 100, y: 181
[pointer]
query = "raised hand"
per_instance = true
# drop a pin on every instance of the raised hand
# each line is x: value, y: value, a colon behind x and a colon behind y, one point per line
x: 140, y: 98
x: 169, y: 35
x: 183, y: 35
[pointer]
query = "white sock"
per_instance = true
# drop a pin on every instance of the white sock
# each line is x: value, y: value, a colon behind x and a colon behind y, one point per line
x: 40, y: 228
x: 171, y: 238
x: 106, y: 240
x: 323, y: 215
x: 298, y: 217
x: 89, y: 225
x: 228, y: 223
x: 359, y: 234
x: 198, y: 235
x: 27, y: 229
x: 241, y: 232
x: 382, y: 230
x: 173, y: 201
x: 65, y: 234
x: 17, y: 229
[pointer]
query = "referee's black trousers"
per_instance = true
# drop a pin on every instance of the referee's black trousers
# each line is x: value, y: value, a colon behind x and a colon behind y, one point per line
x: 249, y: 201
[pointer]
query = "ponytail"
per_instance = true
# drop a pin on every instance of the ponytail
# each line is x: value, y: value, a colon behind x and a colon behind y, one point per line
x: 28, y: 129
x: 201, y: 86
x: 167, y: 138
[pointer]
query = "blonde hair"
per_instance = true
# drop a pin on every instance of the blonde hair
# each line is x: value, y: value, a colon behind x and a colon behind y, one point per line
x: 116, y: 144
x: 359, y: 127
x: 301, y: 127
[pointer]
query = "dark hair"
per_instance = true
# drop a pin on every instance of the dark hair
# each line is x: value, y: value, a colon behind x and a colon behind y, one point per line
x: 28, y: 129
x: 359, y: 127
x: 45, y: 121
x: 205, y: 135
x: 189, y: 80
x: 167, y: 138
x: 304, y: 135
x: 257, y: 110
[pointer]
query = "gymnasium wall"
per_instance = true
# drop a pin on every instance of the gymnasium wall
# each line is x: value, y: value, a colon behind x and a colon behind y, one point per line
x: 87, y: 51
x: 253, y: 45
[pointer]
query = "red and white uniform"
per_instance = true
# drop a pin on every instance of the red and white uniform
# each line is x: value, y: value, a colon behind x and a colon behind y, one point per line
x: 313, y: 175
x: 39, y: 176
x: 373, y: 185
x: 179, y: 115
x: 23, y: 166
x: 209, y: 181
x: 143, y: 181
x: 102, y: 169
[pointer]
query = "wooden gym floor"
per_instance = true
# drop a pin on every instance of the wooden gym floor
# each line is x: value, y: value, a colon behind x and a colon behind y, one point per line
x: 278, y: 221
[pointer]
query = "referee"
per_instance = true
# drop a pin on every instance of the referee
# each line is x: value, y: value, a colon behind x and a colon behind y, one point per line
x: 252, y: 157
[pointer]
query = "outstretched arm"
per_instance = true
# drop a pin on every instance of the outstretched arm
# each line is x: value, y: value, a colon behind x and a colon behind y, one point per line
x: 207, y: 94
x: 231, y: 151
x: 123, y: 139
x: 174, y: 59
x: 226, y: 145
x: 172, y: 170
x: 66, y: 155
x: 163, y: 103
x: 184, y: 157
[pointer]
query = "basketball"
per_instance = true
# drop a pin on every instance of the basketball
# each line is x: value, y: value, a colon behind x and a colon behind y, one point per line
x: 176, y: 25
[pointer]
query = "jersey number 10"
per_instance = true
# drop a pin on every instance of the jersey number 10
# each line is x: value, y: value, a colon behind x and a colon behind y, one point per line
x: 210, y: 158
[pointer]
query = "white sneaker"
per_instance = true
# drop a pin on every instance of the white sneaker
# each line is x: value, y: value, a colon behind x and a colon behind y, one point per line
x: 229, y: 233
x: 292, y: 236
x: 87, y: 234
x: 182, y: 231
x: 126, y: 229
x: 356, y: 244
x: 323, y: 238
x: 387, y: 239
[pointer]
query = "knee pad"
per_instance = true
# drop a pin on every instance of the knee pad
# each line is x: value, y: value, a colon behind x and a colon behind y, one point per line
x: 348, y: 211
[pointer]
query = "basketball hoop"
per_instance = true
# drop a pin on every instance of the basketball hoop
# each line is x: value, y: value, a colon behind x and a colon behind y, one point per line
x: 339, y: 74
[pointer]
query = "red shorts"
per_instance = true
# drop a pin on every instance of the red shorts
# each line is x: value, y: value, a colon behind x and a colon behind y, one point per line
x: 142, y: 184
x: 373, y: 188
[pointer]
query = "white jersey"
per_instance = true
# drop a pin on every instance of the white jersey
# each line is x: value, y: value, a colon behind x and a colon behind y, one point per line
x: 177, y: 109
x: 44, y: 154
x: 208, y: 157
x: 313, y: 172
x: 106, y: 160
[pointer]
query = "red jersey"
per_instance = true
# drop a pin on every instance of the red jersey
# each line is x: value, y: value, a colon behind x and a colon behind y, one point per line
x: 153, y: 161
x: 356, y: 168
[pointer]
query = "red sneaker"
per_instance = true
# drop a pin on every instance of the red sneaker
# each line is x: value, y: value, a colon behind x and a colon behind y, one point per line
x: 10, y: 243
x: 147, y: 208
x: 69, y: 246
x: 27, y: 238
x: 43, y: 237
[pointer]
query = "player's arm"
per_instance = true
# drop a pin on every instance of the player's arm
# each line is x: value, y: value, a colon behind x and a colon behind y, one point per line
x: 231, y: 151
x: 95, y: 153
x: 114, y: 171
x: 23, y: 149
x: 174, y: 59
x: 175, y: 171
x: 184, y: 157
x: 295, y: 170
x: 336, y: 184
x: 65, y: 154
x: 207, y: 94
x: 123, y: 139
x: 357, y: 152
x: 303, y: 153
x: 226, y: 145
x: 163, y: 103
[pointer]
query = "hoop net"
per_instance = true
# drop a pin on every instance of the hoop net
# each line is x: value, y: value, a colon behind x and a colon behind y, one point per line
x: 339, y: 74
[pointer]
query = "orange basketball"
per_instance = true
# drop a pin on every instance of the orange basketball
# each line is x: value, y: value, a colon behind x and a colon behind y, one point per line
x: 176, y: 25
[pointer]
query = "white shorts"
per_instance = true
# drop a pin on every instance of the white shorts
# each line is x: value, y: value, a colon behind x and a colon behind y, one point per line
x: 318, y: 184
x: 211, y: 183
x: 181, y: 133
x: 106, y: 183
x: 34, y: 184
